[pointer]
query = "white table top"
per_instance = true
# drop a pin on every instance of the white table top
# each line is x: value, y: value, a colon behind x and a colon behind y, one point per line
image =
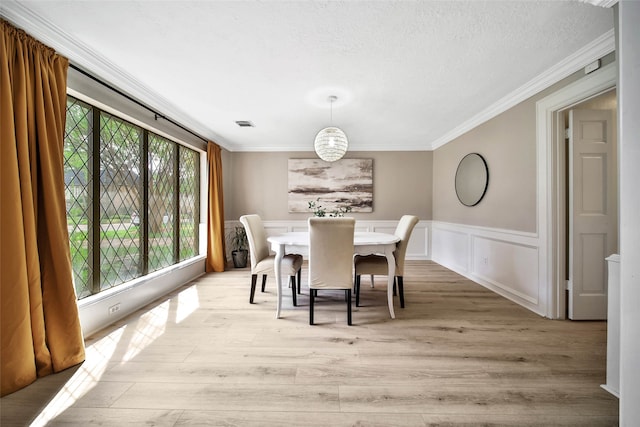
x: 360, y: 238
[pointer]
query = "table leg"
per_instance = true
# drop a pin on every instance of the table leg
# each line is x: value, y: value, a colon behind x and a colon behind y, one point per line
x: 391, y: 262
x: 277, y: 269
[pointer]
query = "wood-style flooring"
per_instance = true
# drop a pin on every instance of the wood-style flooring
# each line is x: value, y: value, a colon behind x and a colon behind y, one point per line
x: 457, y: 355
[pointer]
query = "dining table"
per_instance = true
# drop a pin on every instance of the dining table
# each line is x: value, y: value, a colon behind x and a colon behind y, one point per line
x: 364, y: 243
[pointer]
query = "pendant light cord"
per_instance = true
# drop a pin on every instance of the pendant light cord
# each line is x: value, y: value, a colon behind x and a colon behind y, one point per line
x: 332, y: 98
x: 331, y: 113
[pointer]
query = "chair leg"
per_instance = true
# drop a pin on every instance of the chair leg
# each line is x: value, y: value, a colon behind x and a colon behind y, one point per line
x: 394, y: 287
x: 311, y: 297
x: 372, y: 281
x: 357, y: 291
x: 292, y: 280
x: 299, y: 280
x: 264, y: 281
x: 348, y: 292
x: 401, y: 291
x: 254, y: 279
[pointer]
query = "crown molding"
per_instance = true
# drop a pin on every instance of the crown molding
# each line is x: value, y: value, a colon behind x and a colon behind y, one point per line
x: 93, y: 62
x: 352, y: 148
x: 601, y: 3
x: 595, y: 50
x: 84, y: 57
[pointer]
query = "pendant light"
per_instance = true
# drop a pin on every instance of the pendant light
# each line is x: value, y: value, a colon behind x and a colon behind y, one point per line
x: 331, y: 142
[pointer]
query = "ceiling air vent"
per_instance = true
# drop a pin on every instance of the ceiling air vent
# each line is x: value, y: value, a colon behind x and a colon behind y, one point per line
x: 244, y: 123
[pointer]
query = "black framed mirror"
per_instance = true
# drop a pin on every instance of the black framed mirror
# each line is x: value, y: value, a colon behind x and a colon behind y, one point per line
x: 472, y: 179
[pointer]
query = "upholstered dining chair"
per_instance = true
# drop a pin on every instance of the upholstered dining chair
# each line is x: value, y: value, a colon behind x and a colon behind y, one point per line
x: 262, y: 262
x: 377, y: 264
x: 330, y: 258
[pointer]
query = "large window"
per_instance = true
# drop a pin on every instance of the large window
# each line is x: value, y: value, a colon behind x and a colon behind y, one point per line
x: 133, y: 202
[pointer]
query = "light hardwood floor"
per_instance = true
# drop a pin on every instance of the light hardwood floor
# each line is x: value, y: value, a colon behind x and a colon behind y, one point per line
x: 458, y: 354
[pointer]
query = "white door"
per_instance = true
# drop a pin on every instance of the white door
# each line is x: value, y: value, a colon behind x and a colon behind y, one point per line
x: 592, y: 211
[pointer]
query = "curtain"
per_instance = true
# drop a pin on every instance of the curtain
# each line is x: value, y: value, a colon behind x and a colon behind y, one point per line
x: 216, y: 255
x: 40, y: 328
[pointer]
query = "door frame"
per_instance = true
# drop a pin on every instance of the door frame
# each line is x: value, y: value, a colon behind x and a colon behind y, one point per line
x: 551, y: 191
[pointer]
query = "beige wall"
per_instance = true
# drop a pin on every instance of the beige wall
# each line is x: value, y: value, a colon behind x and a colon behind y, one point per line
x: 256, y: 182
x: 508, y: 144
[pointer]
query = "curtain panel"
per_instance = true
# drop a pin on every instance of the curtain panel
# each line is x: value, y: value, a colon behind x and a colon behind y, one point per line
x: 40, y: 328
x: 216, y: 253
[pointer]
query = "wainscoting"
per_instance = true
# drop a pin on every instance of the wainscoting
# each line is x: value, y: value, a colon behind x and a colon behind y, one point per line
x: 504, y: 261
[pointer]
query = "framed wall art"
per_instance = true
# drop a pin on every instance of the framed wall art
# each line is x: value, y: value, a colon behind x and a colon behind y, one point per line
x: 340, y: 184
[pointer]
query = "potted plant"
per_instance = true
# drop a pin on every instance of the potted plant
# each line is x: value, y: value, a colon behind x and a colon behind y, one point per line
x: 239, y: 245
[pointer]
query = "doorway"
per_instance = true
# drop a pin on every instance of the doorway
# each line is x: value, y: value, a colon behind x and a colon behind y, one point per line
x: 589, y: 233
x: 551, y: 195
x: 605, y: 99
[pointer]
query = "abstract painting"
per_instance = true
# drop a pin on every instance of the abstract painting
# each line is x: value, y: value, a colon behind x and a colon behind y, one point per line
x: 340, y: 184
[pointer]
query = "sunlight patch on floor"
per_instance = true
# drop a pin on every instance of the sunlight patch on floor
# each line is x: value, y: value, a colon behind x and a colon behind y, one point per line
x: 188, y: 302
x: 97, y: 357
x: 150, y: 326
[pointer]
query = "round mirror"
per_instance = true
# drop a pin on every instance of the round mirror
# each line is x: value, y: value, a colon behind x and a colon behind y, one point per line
x: 472, y: 178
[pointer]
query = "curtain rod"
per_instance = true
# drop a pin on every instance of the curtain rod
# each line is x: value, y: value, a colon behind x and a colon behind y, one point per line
x: 130, y: 98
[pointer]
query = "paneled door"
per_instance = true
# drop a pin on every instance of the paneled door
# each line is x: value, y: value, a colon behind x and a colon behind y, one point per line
x: 593, y: 216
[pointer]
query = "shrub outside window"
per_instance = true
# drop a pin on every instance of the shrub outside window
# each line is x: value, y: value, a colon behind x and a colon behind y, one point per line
x: 132, y: 199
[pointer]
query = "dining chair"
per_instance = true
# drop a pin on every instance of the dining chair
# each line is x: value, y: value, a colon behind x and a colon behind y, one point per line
x: 377, y: 264
x: 330, y: 258
x: 262, y: 262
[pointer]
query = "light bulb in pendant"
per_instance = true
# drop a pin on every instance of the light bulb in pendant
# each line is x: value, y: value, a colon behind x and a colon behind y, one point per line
x: 331, y: 143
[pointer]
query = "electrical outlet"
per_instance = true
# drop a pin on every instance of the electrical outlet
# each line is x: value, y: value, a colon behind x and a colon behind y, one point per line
x: 114, y: 308
x: 485, y: 260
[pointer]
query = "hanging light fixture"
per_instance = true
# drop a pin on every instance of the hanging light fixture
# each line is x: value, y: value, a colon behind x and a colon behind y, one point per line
x: 331, y: 142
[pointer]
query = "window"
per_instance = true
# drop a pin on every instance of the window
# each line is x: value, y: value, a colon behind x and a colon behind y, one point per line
x: 77, y: 181
x: 120, y: 188
x: 162, y: 192
x: 189, y: 195
x: 138, y: 212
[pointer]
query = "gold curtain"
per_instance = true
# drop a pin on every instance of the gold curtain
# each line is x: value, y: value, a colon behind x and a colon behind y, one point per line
x: 216, y: 256
x: 40, y: 330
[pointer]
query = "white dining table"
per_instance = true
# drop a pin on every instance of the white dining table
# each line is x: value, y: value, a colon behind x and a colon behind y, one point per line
x: 365, y: 243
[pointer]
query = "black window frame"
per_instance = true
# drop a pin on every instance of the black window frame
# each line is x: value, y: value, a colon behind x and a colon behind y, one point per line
x: 94, y: 283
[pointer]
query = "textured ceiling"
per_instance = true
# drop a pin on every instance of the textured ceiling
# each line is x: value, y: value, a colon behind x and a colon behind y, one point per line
x: 407, y: 73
